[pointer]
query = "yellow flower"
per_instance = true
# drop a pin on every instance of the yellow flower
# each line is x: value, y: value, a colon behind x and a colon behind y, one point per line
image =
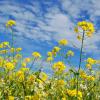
x: 3, y: 51
x: 10, y: 97
x: 88, y: 34
x: 28, y: 97
x: 36, y: 96
x: 60, y: 82
x: 9, y: 66
x: 10, y: 23
x: 86, y: 77
x: 18, y: 56
x: 27, y: 60
x: 49, y: 54
x: 43, y: 76
x: 73, y: 93
x: 59, y: 66
x: 84, y: 28
x: 1, y: 61
x: 89, y: 66
x: 70, y: 53
x: 81, y: 23
x: 63, y: 98
x: 18, y: 49
x: 49, y: 59
x: 76, y: 30
x: 36, y: 54
x: 39, y: 81
x: 54, y: 53
x: 83, y: 74
x: 24, y: 69
x: 87, y: 27
x: 23, y: 64
x: 1, y: 46
x: 56, y: 49
x: 12, y: 50
x: 90, y: 78
x: 20, y: 75
x: 63, y: 42
x: 4, y: 44
x: 91, y: 61
x: 79, y: 37
x: 31, y: 78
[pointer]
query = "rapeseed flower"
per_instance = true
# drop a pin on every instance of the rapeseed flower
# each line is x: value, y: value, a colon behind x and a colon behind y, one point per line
x: 27, y: 60
x: 59, y: 66
x: 70, y: 53
x: 87, y: 27
x: 10, y: 97
x: 18, y: 49
x: 24, y: 64
x: 49, y: 59
x: 89, y: 66
x: 31, y: 78
x: 63, y: 98
x: 3, y: 51
x: 18, y: 56
x: 79, y: 37
x: 90, y: 78
x: 9, y: 66
x: 12, y: 50
x: 49, y: 54
x: 91, y: 61
x: 28, y: 98
x: 20, y: 75
x: 36, y: 54
x: 63, y: 42
x: 76, y: 30
x: 4, y: 44
x: 10, y: 23
x: 60, y: 82
x: 24, y: 69
x: 73, y: 93
x: 56, y: 49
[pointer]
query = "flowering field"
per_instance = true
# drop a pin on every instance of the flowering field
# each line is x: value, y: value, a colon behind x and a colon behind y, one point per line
x: 19, y: 82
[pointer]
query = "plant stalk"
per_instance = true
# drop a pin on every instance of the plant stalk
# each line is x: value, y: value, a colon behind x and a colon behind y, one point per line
x: 80, y: 61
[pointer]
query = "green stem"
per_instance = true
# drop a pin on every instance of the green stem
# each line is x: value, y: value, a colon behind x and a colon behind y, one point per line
x: 41, y: 65
x: 24, y: 90
x: 80, y: 60
x: 12, y: 43
x: 32, y: 63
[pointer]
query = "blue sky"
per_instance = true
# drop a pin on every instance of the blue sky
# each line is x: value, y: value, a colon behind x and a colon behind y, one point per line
x: 41, y: 23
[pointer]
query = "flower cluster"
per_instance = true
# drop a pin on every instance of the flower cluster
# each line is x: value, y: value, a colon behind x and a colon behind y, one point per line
x: 36, y: 55
x: 29, y: 78
x: 70, y: 53
x: 49, y: 56
x: 86, y: 77
x: 90, y: 63
x: 73, y: 93
x: 86, y: 27
x: 63, y: 42
x: 59, y: 66
x: 10, y: 23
